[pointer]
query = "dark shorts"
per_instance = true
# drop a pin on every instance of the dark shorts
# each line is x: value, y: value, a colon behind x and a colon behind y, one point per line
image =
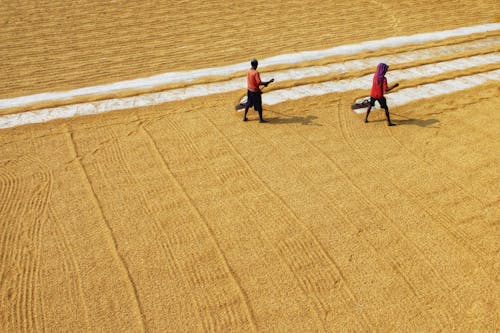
x: 254, y: 99
x: 382, y: 101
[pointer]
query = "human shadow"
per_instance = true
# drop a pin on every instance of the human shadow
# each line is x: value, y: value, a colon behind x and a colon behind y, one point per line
x: 275, y: 117
x: 417, y: 122
x: 307, y: 121
x: 411, y: 121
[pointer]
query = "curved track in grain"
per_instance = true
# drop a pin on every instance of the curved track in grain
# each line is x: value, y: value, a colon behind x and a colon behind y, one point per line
x: 180, y: 217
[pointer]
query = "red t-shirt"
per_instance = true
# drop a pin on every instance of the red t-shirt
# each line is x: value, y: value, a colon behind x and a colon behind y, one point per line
x: 378, y: 89
x: 253, y: 80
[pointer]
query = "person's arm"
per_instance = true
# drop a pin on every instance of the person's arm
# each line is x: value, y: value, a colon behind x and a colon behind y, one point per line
x: 266, y: 83
x: 392, y: 87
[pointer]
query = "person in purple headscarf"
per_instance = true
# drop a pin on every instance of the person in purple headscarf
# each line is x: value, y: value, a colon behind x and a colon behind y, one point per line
x: 379, y: 87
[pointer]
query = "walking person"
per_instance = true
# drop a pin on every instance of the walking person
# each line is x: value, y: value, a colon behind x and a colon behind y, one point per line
x: 254, y: 98
x: 379, y: 87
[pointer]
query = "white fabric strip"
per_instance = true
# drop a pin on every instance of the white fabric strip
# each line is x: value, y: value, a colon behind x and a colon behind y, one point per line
x: 278, y: 96
x: 274, y: 97
x: 405, y: 96
x: 372, y: 62
x: 188, y: 76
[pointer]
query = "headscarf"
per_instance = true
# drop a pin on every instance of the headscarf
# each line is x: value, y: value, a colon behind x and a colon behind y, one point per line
x: 380, y: 72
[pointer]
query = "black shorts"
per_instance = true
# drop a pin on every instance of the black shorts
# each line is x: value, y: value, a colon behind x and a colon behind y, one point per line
x: 254, y: 99
x: 382, y: 101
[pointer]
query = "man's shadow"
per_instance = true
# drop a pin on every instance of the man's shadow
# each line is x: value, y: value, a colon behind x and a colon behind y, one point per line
x: 286, y: 119
x: 308, y: 121
x: 410, y: 121
x: 418, y: 122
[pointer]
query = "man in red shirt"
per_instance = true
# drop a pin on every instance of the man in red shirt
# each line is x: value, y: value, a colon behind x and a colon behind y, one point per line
x: 379, y: 86
x: 254, y: 93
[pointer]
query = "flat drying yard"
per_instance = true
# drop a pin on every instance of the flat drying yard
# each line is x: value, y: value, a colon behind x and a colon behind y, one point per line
x: 133, y: 198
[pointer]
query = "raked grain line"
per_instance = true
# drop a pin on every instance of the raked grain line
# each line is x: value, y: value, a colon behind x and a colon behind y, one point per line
x: 66, y: 269
x: 444, y: 220
x: 41, y: 218
x: 35, y: 210
x: 289, y: 263
x: 127, y: 172
x: 274, y: 97
x: 63, y: 244
x: 328, y: 196
x: 13, y: 254
x: 382, y: 214
x: 406, y: 280
x: 349, y: 139
x: 26, y: 288
x: 114, y: 143
x: 314, y: 255
x: 344, y: 67
x: 113, y: 244
x: 212, y: 236
x: 9, y: 187
x: 191, y: 149
x: 189, y: 76
x: 25, y: 258
x: 116, y: 155
x: 39, y: 308
x: 8, y: 246
x: 39, y: 205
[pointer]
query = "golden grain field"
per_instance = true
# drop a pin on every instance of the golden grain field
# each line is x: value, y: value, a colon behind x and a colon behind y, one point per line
x: 180, y: 217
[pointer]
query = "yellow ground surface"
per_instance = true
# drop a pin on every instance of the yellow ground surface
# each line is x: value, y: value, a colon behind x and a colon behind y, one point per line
x: 180, y: 217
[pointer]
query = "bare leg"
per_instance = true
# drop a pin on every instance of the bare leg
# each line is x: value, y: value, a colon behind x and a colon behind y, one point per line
x: 368, y: 113
x: 260, y: 117
x: 389, y: 123
x: 245, y: 114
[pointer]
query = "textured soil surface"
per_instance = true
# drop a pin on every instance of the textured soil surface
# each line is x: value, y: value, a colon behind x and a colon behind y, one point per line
x: 180, y: 217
